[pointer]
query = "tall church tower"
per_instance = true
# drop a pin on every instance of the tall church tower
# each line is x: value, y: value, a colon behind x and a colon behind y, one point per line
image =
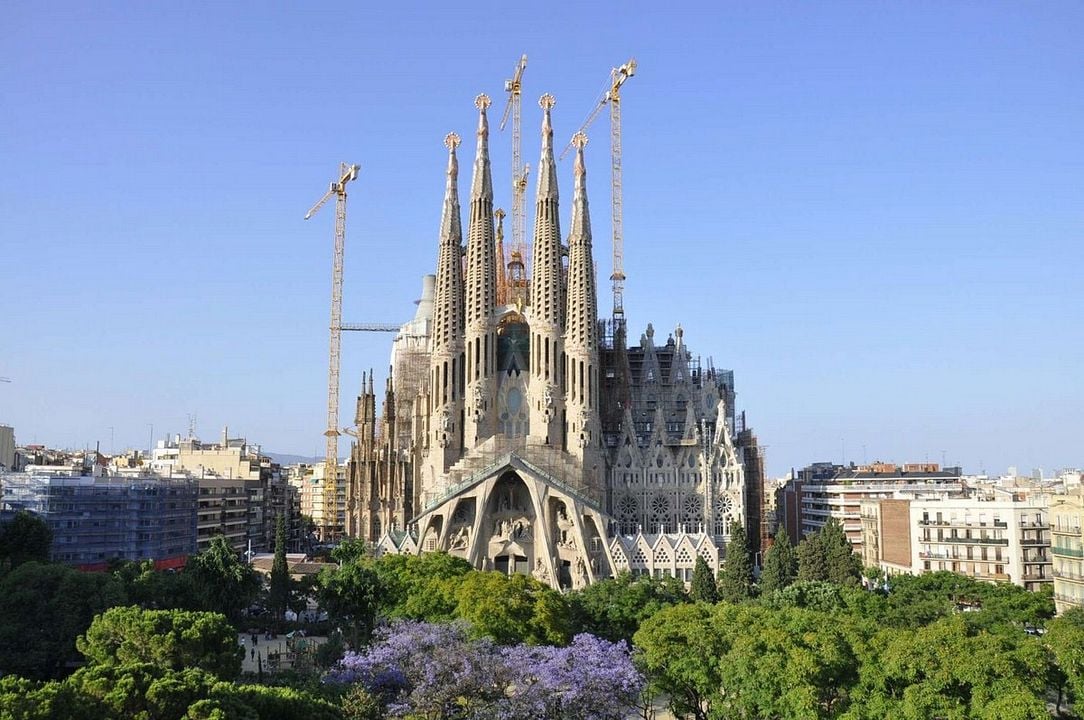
x: 546, y: 316
x: 581, y: 365
x: 481, y: 345
x: 446, y: 359
x: 493, y: 446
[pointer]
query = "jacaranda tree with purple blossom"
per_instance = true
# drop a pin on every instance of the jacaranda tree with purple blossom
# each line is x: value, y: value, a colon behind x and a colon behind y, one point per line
x: 440, y: 672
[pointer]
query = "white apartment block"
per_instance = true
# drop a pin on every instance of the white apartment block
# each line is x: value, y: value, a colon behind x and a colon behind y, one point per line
x: 1067, y: 550
x: 986, y: 538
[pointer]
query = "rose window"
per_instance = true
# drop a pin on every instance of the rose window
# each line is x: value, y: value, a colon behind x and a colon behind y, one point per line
x: 627, y: 506
x: 660, y: 505
x: 724, y: 505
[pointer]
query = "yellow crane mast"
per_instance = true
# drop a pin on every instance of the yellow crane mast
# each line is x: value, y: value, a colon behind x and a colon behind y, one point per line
x: 515, y: 287
x: 331, y: 529
x: 612, y: 97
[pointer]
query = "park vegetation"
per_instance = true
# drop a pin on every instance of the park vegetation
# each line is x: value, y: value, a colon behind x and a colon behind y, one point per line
x: 430, y: 637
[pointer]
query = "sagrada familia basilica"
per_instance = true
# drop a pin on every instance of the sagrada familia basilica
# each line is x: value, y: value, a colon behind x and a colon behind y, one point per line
x: 523, y: 434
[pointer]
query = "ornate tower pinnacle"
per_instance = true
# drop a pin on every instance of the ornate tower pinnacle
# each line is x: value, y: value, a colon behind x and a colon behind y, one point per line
x: 445, y: 361
x: 581, y: 325
x: 448, y: 301
x: 547, y: 296
x: 481, y: 291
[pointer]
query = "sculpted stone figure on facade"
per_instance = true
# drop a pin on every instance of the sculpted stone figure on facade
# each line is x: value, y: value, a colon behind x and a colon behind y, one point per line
x: 540, y: 572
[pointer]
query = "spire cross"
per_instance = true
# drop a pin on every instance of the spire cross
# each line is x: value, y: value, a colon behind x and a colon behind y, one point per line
x: 580, y: 139
x: 547, y: 101
x: 482, y: 101
x: 451, y: 141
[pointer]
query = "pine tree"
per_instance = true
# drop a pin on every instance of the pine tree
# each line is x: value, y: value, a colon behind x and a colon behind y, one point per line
x: 703, y: 586
x: 280, y: 573
x: 843, y: 566
x: 780, y: 565
x: 812, y: 559
x: 736, y: 578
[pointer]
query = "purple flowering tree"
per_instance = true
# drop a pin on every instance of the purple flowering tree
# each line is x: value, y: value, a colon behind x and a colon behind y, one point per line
x: 426, y: 670
x: 591, y: 679
x: 437, y: 671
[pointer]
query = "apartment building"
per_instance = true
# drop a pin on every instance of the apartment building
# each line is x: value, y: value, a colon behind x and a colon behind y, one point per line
x: 96, y: 519
x: 241, y: 491
x: 987, y: 537
x: 1067, y: 550
x: 822, y: 490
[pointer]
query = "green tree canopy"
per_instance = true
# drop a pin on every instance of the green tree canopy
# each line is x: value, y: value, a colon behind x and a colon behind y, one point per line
x: 703, y: 587
x: 167, y: 639
x: 157, y: 589
x: 350, y: 550
x: 949, y: 669
x: 614, y: 608
x: 149, y: 692
x: 679, y: 653
x: 24, y: 538
x: 736, y: 578
x: 1065, y: 638
x: 350, y: 595
x: 812, y: 558
x: 790, y: 664
x: 780, y: 566
x: 843, y: 566
x: 420, y: 587
x: 279, y: 595
x: 228, y: 584
x: 513, y: 609
x: 43, y: 609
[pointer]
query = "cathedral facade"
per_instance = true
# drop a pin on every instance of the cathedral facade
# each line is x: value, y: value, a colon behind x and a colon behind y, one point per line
x: 523, y: 434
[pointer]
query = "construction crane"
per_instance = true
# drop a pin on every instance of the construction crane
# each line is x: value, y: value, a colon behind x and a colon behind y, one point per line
x: 514, y: 88
x: 612, y: 97
x: 330, y: 529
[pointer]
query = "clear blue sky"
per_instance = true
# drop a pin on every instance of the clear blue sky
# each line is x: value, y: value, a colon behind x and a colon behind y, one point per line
x: 872, y: 212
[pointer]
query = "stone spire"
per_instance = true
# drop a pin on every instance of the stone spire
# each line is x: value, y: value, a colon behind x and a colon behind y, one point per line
x: 581, y: 329
x: 445, y: 363
x: 481, y: 268
x: 481, y: 295
x: 547, y: 302
x: 548, y: 366
x: 448, y: 303
x: 581, y: 318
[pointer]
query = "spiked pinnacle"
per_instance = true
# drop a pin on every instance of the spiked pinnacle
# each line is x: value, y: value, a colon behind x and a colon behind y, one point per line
x: 450, y: 226
x: 581, y: 220
x: 482, y: 183
x: 547, y: 170
x: 481, y: 271
x: 449, y: 285
x: 582, y: 312
x: 547, y: 291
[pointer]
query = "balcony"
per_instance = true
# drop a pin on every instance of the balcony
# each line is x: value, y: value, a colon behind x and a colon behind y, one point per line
x: 1069, y: 575
x: 1067, y: 552
x: 974, y: 541
x: 1033, y: 541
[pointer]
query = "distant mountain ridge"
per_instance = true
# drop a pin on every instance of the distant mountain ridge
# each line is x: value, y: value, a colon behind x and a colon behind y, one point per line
x: 286, y: 459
